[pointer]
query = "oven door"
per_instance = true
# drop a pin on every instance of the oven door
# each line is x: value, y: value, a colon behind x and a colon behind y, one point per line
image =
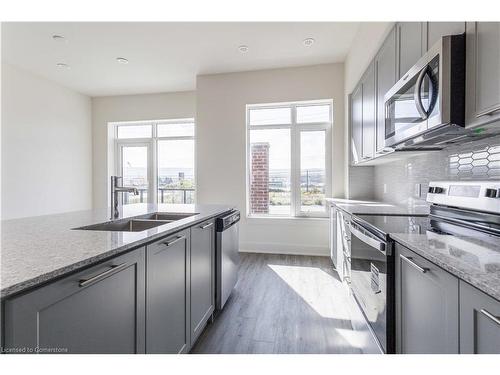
x: 370, y: 282
x: 412, y: 105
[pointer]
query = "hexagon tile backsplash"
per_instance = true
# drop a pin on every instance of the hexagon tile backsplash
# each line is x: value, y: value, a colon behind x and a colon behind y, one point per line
x: 478, y: 160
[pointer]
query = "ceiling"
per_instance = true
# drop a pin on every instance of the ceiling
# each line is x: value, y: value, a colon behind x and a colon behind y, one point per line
x: 165, y: 56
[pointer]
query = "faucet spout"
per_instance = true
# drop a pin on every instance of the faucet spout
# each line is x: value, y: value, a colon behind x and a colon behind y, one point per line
x: 115, y: 189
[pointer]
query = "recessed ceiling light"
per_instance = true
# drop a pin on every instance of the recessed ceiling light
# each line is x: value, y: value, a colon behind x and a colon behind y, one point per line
x: 308, y: 42
x: 243, y: 49
x: 122, y: 60
x: 58, y: 38
x: 63, y: 66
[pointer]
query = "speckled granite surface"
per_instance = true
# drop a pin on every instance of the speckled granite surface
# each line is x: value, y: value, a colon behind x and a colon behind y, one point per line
x: 472, y: 260
x: 37, y: 249
x: 377, y: 208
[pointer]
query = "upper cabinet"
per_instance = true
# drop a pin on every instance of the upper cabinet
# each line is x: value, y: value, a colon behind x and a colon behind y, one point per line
x: 405, y: 44
x: 483, y: 73
x: 411, y: 45
x: 436, y: 30
x: 368, y: 83
x: 385, y: 76
x: 357, y: 123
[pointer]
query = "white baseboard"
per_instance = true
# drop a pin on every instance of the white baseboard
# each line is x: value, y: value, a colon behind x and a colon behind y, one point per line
x: 279, y: 248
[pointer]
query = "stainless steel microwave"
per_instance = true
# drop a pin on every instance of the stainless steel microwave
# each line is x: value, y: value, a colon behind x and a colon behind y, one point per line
x: 426, y: 107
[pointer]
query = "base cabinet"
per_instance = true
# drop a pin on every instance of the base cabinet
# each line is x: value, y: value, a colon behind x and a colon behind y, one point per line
x: 167, y: 295
x: 98, y: 310
x: 427, y: 320
x: 202, y: 277
x: 479, y: 322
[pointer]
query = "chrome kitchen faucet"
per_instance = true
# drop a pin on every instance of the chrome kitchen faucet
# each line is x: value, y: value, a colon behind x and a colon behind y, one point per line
x: 115, y: 189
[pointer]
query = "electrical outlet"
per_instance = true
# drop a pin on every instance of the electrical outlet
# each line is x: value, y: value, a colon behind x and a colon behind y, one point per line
x: 418, y: 190
x: 385, y: 188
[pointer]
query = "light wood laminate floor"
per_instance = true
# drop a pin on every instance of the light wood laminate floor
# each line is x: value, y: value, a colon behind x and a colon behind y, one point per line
x: 283, y: 304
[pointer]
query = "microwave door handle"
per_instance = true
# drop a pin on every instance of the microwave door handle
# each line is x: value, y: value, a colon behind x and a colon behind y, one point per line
x: 418, y: 94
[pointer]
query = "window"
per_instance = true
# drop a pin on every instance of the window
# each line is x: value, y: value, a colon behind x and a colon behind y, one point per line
x: 156, y: 157
x: 289, y: 153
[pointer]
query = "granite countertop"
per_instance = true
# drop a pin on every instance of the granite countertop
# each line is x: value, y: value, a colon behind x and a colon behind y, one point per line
x: 473, y: 260
x: 366, y: 207
x: 37, y: 249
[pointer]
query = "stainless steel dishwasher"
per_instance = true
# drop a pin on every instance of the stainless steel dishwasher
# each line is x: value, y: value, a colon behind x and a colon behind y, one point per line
x: 227, y: 256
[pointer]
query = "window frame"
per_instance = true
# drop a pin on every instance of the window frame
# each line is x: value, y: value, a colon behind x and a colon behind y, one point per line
x: 152, y: 144
x: 295, y: 132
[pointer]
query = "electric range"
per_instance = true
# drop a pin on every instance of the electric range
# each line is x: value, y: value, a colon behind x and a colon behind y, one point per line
x: 466, y: 209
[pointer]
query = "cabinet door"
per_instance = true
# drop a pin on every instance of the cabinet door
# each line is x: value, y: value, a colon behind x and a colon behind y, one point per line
x: 426, y: 306
x: 202, y: 276
x: 333, y: 235
x: 479, y: 322
x: 436, y: 30
x: 483, y: 72
x: 167, y: 295
x: 357, y: 123
x: 368, y: 148
x: 410, y: 45
x: 98, y: 310
x: 386, y: 76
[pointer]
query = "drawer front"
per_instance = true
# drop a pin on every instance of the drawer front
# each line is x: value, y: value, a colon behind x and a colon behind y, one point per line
x: 426, y: 296
x: 167, y: 295
x: 98, y: 310
x: 479, y: 322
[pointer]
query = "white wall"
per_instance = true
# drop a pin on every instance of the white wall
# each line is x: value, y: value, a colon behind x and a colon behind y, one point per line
x: 365, y: 45
x: 129, y: 108
x: 221, y: 145
x: 46, y: 146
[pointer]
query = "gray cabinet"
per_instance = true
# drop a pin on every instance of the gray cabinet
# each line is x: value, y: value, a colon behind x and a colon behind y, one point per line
x: 167, y: 295
x: 483, y: 73
x: 479, y: 322
x: 333, y: 234
x: 426, y: 306
x: 202, y: 276
x: 411, y: 45
x: 386, y: 76
x: 368, y: 133
x: 98, y: 310
x: 357, y: 123
x: 436, y: 30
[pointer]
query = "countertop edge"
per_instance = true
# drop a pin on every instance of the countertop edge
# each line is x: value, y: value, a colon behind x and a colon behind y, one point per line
x: 38, y: 281
x: 448, y: 266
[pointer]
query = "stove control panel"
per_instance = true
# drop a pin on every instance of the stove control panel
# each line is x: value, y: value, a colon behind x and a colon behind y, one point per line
x: 474, y: 195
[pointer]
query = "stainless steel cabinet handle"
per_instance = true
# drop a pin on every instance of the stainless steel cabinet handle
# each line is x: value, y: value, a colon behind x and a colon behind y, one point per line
x: 170, y: 243
x: 206, y: 226
x: 113, y: 269
x: 413, y: 264
x: 491, y: 316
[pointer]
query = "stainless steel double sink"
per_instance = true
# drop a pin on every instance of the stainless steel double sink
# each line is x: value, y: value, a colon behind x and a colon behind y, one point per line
x: 138, y: 223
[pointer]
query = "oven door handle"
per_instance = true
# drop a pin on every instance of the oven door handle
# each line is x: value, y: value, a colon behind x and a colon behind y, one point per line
x: 373, y: 242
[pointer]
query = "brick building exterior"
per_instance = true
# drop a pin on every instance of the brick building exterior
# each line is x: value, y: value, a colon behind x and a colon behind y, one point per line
x: 259, y: 184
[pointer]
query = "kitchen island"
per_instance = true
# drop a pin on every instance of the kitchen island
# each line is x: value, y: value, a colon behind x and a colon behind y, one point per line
x: 91, y: 291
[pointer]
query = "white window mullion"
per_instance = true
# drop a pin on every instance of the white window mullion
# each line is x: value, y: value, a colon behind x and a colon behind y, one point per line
x: 295, y: 167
